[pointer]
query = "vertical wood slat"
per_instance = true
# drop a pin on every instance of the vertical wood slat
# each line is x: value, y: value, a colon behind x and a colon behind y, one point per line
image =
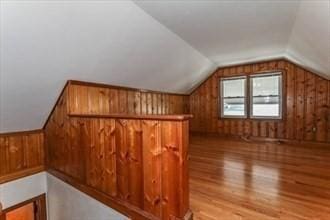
x: 123, y: 102
x: 149, y: 103
x: 110, y: 186
x: 310, y: 114
x: 305, y: 105
x: 214, y: 102
x: 290, y: 101
x: 300, y: 102
x: 129, y: 161
x: 131, y: 102
x: 322, y: 109
x: 152, y: 151
x: 170, y: 158
x: 174, y: 170
x: 77, y: 148
x: 328, y: 111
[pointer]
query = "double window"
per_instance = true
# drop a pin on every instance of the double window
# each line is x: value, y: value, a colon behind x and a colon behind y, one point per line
x: 254, y: 96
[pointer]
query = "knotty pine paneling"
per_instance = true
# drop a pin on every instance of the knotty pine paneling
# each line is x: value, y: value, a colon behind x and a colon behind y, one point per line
x: 140, y: 162
x: 21, y: 154
x: 121, y: 162
x: 56, y: 136
x: 90, y: 98
x: 306, y: 105
x: 93, y: 99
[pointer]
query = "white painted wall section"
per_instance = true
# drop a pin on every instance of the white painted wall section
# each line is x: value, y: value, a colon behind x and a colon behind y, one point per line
x: 17, y: 191
x: 67, y: 203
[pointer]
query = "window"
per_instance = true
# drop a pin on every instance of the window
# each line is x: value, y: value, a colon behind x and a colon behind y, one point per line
x: 233, y: 97
x: 266, y: 97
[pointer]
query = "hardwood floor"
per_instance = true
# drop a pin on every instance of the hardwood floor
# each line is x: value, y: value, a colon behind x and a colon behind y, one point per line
x: 234, y: 179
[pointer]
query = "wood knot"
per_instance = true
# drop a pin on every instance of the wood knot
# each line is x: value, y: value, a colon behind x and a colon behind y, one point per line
x: 101, y: 131
x: 124, y: 155
x: 156, y: 200
x: 171, y: 147
x: 13, y: 149
x: 134, y: 159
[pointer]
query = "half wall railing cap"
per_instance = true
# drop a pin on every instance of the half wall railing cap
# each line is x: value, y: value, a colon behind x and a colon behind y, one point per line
x: 169, y: 117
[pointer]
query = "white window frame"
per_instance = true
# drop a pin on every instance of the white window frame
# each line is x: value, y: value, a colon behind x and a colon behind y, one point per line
x: 222, y: 79
x: 280, y: 94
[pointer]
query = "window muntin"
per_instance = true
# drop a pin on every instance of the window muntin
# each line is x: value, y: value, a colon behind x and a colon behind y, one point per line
x: 233, y: 97
x: 266, y: 96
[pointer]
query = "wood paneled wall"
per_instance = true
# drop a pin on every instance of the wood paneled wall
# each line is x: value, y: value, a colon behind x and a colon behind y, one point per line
x: 135, y: 165
x: 139, y: 163
x: 306, y: 105
x: 90, y: 98
x: 21, y: 154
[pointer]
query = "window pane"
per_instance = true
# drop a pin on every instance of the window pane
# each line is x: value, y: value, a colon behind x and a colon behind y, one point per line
x: 234, y: 107
x: 266, y: 85
x: 266, y: 91
x: 266, y: 106
x: 233, y: 87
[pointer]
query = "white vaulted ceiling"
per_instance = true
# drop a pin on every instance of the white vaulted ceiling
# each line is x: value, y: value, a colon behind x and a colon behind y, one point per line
x: 236, y: 31
x: 160, y: 45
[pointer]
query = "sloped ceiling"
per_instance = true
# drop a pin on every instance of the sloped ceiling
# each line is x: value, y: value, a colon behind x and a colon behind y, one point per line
x: 45, y: 43
x: 309, y: 43
x: 237, y: 31
x: 160, y: 45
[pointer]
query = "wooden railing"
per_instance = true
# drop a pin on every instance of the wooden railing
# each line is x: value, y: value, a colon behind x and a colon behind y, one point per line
x: 135, y: 164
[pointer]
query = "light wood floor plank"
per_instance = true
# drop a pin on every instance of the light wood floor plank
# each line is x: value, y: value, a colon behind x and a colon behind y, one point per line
x: 234, y: 179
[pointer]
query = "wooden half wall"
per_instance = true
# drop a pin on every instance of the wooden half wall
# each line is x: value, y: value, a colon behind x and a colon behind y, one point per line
x: 117, y: 145
x: 306, y: 105
x: 21, y: 154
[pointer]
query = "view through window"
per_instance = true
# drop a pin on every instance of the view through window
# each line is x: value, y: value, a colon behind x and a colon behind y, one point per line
x: 233, y: 93
x: 266, y: 95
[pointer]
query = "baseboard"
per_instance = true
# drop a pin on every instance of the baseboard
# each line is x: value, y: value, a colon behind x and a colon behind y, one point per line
x: 248, y: 138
